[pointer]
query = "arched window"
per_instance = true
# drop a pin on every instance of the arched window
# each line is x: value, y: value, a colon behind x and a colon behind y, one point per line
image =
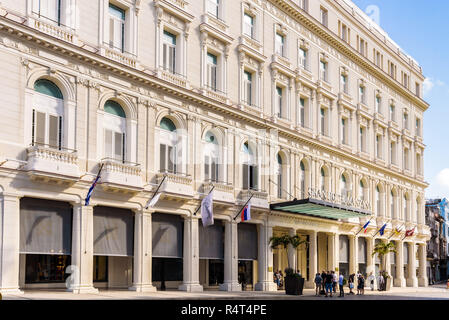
x: 343, y: 186
x: 406, y: 215
x: 47, y: 118
x: 323, y: 179
x: 392, y: 205
x: 378, y: 201
x: 302, y: 179
x: 167, y: 143
x: 361, y: 190
x: 418, y: 204
x: 114, y: 131
x: 212, y: 167
x: 250, y: 172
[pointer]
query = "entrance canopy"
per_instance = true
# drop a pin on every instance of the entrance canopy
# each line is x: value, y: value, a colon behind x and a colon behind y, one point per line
x: 319, y: 209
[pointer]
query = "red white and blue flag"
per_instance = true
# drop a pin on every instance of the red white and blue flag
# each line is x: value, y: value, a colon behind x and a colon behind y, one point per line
x: 366, y: 226
x: 246, y: 212
x: 91, y: 189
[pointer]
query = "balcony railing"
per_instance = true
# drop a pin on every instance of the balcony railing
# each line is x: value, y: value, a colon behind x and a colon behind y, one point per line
x: 53, y: 28
x: 176, y: 183
x: 119, y: 54
x: 121, y: 175
x: 52, y: 162
x: 223, y: 191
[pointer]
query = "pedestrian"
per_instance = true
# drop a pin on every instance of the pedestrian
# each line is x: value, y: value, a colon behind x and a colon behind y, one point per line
x: 323, y: 276
x: 328, y: 283
x: 361, y: 285
x: 334, y: 281
x: 318, y: 280
x: 380, y: 282
x: 351, y: 283
x: 371, y: 279
x: 340, y: 283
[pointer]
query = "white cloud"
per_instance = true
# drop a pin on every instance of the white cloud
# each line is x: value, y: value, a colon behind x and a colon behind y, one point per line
x: 443, y: 178
x: 430, y: 83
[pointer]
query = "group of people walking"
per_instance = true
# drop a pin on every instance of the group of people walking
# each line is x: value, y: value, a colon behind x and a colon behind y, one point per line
x: 326, y: 283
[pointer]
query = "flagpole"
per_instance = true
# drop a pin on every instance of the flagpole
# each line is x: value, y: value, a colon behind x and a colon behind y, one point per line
x: 393, y: 232
x: 240, y: 211
x: 158, y: 187
x: 282, y: 189
x: 362, y: 227
x: 98, y: 175
x: 213, y: 187
x: 405, y: 236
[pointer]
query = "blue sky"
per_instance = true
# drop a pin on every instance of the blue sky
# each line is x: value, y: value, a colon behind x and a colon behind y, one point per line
x: 421, y: 28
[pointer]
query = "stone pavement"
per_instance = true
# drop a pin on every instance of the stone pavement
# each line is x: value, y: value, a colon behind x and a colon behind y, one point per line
x: 435, y: 292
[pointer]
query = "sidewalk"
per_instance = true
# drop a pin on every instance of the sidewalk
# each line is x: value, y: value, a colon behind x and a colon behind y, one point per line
x: 432, y: 292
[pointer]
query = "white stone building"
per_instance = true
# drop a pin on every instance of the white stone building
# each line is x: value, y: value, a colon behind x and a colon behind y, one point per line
x: 275, y: 99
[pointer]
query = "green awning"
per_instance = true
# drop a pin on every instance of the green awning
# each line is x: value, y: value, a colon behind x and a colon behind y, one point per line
x: 320, y: 209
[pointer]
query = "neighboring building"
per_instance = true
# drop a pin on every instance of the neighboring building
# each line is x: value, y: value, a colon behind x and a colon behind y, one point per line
x: 437, y: 246
x: 273, y: 100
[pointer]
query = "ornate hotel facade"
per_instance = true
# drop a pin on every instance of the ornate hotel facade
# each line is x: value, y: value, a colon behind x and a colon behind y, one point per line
x: 276, y: 100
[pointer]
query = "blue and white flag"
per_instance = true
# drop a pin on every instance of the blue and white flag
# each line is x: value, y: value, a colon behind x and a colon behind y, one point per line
x: 207, y: 212
x: 382, y: 230
x: 91, y: 189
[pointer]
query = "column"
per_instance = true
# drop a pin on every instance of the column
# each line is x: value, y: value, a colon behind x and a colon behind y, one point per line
x: 332, y: 253
x: 191, y: 264
x: 353, y: 254
x: 81, y: 279
x: 265, y: 260
x: 231, y: 282
x: 399, y: 281
x: 292, y: 252
x: 313, y: 259
x: 369, y: 257
x: 142, y: 280
x: 9, y: 240
x: 387, y: 261
x: 412, y: 280
x: 422, y: 280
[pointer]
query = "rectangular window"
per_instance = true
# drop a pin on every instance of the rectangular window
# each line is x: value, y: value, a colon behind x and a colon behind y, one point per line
x: 114, y: 145
x: 116, y: 28
x: 418, y: 89
x: 378, y: 104
x: 362, y: 139
x: 47, y: 129
x: 213, y: 7
x: 248, y: 88
x: 418, y: 127
x: 167, y: 155
x: 49, y: 9
x: 302, y: 107
x: 169, y: 52
x: 406, y: 162
x: 362, y: 95
x: 323, y: 16
x: 302, y: 55
x: 343, y: 131
x: 323, y: 121
x: 378, y: 147
x: 392, y: 113
x: 248, y: 25
x: 279, y: 102
x: 344, y: 83
x: 212, y: 71
x: 323, y: 70
x: 393, y: 152
x: 405, y: 122
x: 279, y: 45
x: 344, y: 33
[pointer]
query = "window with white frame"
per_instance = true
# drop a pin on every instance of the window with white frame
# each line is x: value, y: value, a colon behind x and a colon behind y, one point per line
x: 168, y: 141
x: 362, y: 137
x: 47, y: 117
x: 302, y: 179
x: 323, y: 70
x: 114, y: 123
x: 378, y: 201
x: 322, y: 179
x: 392, y: 113
x: 392, y: 205
x: 248, y: 88
x: 417, y: 89
x: 344, y: 83
x: 393, y: 152
x: 323, y: 16
x: 116, y: 27
x: 248, y: 25
x: 418, y: 127
x: 279, y: 100
x: 211, y: 71
x: 303, y: 58
x: 304, y: 4
x: 343, y: 186
x: 361, y: 194
x: 406, y: 159
x: 302, y: 112
x: 362, y: 95
x: 418, y: 164
x: 49, y: 10
x: 213, y: 8
x: 378, y: 104
x: 280, y: 44
x: 279, y: 176
x: 323, y: 121
x: 405, y: 213
x: 250, y: 168
x: 169, y: 52
x: 212, y: 166
x: 379, y: 146
x: 344, y: 131
x: 405, y: 120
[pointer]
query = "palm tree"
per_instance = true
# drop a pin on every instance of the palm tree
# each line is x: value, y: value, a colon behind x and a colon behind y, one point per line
x: 284, y: 240
x: 382, y: 249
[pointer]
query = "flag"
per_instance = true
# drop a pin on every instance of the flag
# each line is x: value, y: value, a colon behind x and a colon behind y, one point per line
x: 397, y: 231
x: 152, y: 202
x: 382, y: 230
x: 246, y: 212
x: 91, y: 189
x: 366, y: 226
x: 207, y: 212
x: 409, y: 233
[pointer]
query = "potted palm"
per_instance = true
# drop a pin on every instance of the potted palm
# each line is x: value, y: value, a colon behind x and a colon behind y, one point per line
x: 294, y: 283
x: 382, y: 249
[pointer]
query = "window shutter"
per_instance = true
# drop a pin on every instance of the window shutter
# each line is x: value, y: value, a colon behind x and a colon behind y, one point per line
x: 170, y: 156
x: 214, y: 77
x: 53, y: 134
x: 122, y: 40
x: 248, y: 92
x: 162, y: 157
x: 245, y: 176
x: 164, y: 56
x: 108, y: 143
x: 118, y: 145
x: 214, y: 175
x: 254, y: 179
x: 60, y: 133
x: 173, y: 59
x: 40, y: 127
x: 206, y: 168
x: 111, y: 32
x: 33, y: 127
